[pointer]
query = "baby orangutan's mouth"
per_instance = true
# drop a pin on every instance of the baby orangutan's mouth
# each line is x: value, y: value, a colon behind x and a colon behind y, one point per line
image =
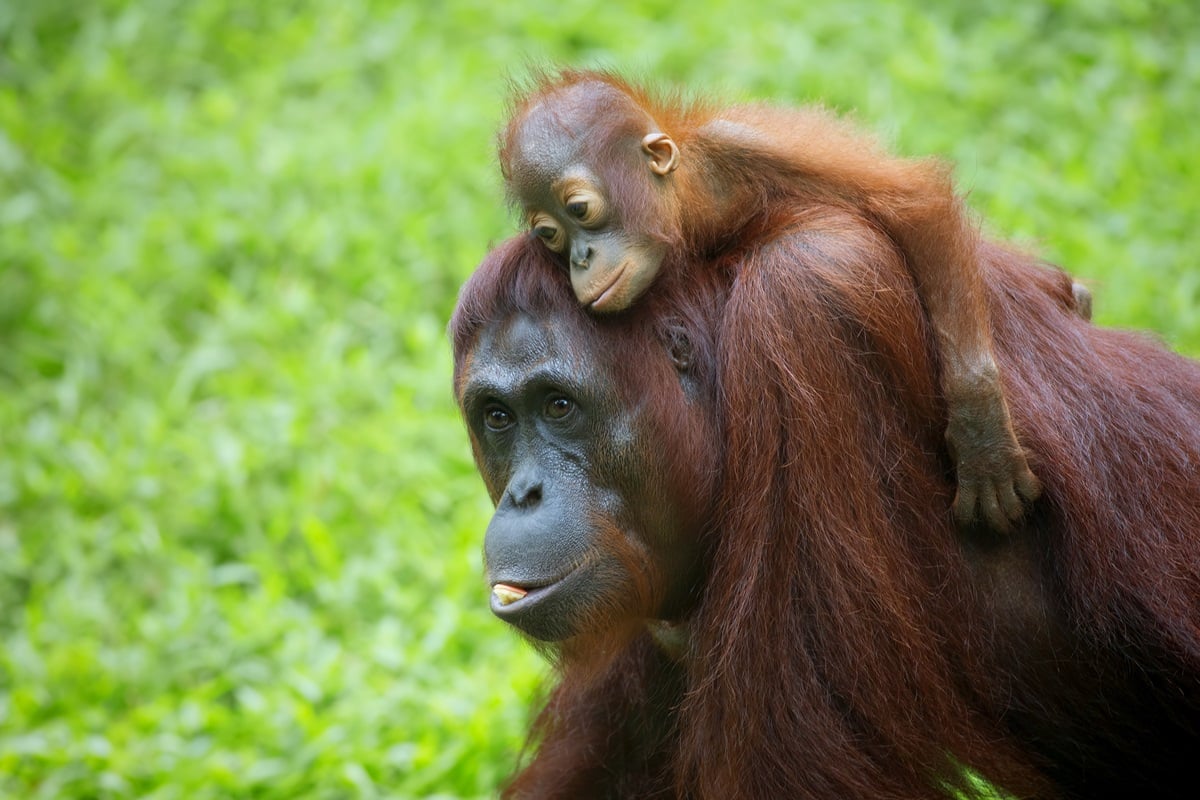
x: 606, y: 294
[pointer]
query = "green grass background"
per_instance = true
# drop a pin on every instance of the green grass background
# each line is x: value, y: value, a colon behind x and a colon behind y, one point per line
x: 239, y: 526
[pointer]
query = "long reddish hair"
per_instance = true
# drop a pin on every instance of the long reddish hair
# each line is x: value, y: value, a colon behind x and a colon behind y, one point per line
x: 842, y: 646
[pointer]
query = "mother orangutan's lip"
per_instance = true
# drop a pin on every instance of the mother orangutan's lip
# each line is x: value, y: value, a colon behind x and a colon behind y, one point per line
x: 503, y: 606
x: 506, y: 594
x: 597, y: 303
x: 510, y: 598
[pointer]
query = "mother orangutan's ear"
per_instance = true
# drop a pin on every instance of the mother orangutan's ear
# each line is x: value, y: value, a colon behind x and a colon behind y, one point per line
x: 664, y: 154
x: 679, y: 347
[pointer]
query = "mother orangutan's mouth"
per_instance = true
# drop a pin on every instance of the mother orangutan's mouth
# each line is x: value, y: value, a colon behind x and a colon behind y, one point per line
x: 509, y: 598
x: 507, y: 595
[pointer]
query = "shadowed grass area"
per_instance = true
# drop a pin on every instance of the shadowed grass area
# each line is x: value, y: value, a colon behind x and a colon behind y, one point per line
x: 239, y: 526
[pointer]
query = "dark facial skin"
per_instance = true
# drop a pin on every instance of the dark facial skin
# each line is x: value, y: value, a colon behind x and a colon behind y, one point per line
x: 568, y: 207
x: 588, y: 531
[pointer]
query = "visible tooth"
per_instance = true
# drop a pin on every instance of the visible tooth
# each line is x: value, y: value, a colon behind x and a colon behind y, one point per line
x: 507, y: 594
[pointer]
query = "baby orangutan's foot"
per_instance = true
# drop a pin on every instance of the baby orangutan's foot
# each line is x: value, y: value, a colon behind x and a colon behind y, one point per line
x: 994, y: 479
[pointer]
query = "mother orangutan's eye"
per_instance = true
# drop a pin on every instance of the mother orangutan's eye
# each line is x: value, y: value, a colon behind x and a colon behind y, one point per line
x: 558, y: 407
x: 496, y: 418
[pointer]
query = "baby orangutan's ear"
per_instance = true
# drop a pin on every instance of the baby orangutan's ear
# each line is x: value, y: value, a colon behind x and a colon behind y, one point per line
x: 664, y: 155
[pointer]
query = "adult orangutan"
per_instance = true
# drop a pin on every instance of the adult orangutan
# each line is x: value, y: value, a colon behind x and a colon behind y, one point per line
x: 724, y: 513
x: 622, y: 186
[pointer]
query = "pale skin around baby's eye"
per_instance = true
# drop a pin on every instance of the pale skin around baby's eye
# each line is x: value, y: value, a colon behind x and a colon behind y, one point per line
x: 586, y: 207
x: 548, y: 231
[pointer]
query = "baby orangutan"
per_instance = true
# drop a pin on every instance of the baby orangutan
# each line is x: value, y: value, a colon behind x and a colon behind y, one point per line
x: 624, y: 188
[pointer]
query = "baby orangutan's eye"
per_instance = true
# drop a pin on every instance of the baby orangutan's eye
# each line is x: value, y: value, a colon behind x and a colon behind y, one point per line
x: 550, y: 234
x: 587, y: 207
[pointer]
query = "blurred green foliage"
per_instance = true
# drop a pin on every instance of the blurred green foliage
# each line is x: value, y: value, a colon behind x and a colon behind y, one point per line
x: 239, y: 525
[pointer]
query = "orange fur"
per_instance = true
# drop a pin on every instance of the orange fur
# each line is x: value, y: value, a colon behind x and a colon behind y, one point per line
x: 847, y: 641
x: 746, y: 169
